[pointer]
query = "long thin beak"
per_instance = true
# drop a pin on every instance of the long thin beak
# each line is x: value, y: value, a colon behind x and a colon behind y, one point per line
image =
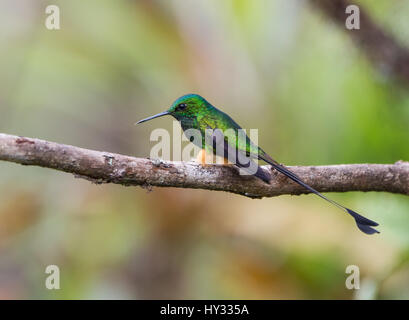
x: 153, y: 117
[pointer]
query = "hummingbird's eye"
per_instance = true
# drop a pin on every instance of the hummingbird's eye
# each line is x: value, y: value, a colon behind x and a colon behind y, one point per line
x: 182, y: 106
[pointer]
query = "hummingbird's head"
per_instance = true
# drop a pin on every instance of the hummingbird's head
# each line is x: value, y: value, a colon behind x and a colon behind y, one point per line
x: 187, y: 106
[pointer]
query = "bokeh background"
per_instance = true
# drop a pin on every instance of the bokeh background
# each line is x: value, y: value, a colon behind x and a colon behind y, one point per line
x: 280, y: 66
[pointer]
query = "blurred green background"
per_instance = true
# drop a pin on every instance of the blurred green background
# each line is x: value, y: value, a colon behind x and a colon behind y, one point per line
x: 279, y: 66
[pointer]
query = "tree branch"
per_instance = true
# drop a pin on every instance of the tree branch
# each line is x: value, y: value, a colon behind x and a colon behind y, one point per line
x: 105, y: 167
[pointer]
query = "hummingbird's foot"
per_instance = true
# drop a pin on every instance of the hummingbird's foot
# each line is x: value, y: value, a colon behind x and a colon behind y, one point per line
x: 206, y: 159
x: 226, y: 162
x: 201, y: 157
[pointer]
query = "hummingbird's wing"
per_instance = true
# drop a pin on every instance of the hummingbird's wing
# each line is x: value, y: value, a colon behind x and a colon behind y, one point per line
x: 223, y: 146
x: 229, y: 144
x: 234, y: 134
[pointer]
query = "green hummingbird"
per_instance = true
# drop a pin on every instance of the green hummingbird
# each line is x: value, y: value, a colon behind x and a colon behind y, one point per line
x: 194, y: 112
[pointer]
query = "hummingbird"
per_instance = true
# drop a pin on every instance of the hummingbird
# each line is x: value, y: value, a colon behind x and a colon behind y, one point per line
x: 195, y: 112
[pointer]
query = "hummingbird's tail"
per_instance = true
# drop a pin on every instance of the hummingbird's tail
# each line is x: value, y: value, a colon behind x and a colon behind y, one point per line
x: 364, y: 224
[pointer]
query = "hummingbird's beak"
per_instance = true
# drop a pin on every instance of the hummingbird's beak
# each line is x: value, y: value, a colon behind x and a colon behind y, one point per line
x: 153, y: 117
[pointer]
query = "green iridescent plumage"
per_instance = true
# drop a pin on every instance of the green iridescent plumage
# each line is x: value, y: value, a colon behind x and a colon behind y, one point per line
x: 194, y: 112
x: 200, y: 114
